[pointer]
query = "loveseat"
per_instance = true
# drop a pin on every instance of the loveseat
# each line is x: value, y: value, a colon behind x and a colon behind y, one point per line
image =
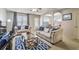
x: 53, y: 36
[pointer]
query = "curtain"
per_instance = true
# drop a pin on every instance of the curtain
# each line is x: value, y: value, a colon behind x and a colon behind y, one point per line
x: 14, y: 21
x: 28, y: 19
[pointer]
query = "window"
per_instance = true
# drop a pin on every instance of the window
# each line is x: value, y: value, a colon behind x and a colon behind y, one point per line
x: 10, y: 18
x: 21, y: 19
x: 24, y: 21
x: 46, y: 21
x: 57, y: 18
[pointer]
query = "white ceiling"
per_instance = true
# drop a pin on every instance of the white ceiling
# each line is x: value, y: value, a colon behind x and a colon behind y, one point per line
x: 41, y: 11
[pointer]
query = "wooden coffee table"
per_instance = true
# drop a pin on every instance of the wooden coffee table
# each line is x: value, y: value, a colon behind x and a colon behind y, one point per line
x: 31, y: 43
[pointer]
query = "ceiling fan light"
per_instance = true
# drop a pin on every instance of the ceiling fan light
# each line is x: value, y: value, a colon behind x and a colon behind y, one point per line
x: 34, y: 10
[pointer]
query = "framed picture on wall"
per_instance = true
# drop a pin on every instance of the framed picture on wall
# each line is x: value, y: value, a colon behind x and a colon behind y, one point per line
x: 67, y: 16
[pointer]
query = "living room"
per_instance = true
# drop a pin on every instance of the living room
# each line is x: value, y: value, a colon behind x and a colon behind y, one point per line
x: 39, y: 28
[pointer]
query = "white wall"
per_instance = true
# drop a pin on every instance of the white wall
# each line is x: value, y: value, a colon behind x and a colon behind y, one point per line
x: 51, y: 20
x: 32, y: 21
x: 41, y: 20
x: 69, y: 30
x: 3, y: 16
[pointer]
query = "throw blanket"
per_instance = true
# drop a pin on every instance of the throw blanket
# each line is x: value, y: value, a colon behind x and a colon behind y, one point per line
x: 4, y: 39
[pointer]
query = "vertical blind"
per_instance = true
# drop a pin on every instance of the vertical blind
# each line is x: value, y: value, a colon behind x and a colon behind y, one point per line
x: 46, y: 21
x: 10, y: 16
x: 21, y: 19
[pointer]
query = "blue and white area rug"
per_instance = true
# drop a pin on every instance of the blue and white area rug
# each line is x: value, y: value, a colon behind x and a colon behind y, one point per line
x: 19, y: 44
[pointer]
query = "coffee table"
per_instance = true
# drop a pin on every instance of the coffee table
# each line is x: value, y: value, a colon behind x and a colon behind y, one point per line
x: 31, y: 43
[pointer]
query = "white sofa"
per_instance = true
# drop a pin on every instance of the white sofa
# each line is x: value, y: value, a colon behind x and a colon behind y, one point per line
x: 52, y: 37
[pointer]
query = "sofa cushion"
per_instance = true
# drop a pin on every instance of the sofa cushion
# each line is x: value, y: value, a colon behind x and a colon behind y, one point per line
x: 46, y: 30
x: 46, y: 34
x: 26, y: 27
x: 41, y: 28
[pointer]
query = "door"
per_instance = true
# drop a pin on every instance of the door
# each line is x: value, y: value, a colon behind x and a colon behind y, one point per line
x: 77, y: 23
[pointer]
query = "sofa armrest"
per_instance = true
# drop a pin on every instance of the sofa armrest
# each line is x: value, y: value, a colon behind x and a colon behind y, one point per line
x: 56, y: 35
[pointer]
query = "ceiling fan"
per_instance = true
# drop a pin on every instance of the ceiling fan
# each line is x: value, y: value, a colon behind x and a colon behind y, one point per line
x: 36, y: 9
